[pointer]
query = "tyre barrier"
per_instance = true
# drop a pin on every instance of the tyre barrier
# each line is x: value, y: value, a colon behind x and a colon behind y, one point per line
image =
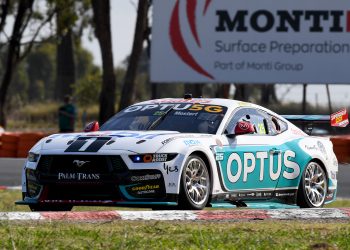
x: 17, y: 145
x: 341, y: 147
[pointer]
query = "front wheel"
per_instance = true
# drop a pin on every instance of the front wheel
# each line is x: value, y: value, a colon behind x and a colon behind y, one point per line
x: 195, y: 184
x: 313, y: 186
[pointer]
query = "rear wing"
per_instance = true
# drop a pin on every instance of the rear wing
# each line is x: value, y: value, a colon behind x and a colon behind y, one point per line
x: 337, y: 119
x: 307, y: 118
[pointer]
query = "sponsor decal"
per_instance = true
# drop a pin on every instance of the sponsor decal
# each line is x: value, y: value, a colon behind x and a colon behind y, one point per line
x: 322, y: 148
x: 239, y: 168
x: 169, y: 169
x: 296, y: 131
x: 243, y: 125
x: 196, y: 107
x: 146, y: 177
x: 159, y: 157
x: 340, y: 118
x: 78, y: 176
x: 313, y: 147
x: 284, y: 194
x: 149, y: 158
x: 261, y: 167
x: 192, y: 142
x: 184, y: 136
x: 145, y: 188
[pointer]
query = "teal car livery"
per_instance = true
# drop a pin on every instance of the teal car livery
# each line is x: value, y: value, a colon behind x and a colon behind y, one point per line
x: 184, y: 154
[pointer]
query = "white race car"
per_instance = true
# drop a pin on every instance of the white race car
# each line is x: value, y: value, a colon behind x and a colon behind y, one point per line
x: 185, y: 154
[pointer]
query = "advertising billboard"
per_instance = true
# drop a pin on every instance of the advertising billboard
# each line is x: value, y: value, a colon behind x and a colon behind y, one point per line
x: 251, y: 41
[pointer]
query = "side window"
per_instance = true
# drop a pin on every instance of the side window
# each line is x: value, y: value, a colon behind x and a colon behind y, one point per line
x: 249, y: 115
x: 276, y: 126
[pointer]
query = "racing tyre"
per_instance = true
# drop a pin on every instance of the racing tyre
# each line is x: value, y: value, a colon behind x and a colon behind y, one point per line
x: 195, y: 184
x: 50, y: 207
x: 313, y: 187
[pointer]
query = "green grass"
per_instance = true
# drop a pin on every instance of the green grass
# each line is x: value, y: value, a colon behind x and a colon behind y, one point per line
x: 175, y: 235
x: 254, y: 234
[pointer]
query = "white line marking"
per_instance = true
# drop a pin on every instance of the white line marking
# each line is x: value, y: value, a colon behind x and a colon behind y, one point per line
x: 20, y: 216
x: 311, y: 213
x: 157, y: 215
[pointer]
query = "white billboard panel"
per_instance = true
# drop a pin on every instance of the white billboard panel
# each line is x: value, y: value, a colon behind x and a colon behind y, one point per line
x: 251, y: 41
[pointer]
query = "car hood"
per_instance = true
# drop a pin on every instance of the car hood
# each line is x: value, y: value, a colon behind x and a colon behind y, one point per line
x: 134, y: 141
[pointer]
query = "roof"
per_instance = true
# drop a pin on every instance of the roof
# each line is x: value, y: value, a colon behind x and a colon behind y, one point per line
x: 214, y: 101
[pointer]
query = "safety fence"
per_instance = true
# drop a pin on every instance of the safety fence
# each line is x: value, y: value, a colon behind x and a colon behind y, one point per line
x: 17, y: 145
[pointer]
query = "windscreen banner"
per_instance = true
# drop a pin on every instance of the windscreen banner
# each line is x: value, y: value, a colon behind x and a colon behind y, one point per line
x: 251, y: 41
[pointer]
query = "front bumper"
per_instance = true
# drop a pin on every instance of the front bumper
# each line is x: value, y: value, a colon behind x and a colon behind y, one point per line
x: 104, y: 181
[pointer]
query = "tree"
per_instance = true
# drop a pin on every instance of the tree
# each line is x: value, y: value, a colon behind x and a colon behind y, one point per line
x: 25, y: 19
x: 65, y: 65
x: 102, y: 25
x: 141, y: 33
x: 40, y: 65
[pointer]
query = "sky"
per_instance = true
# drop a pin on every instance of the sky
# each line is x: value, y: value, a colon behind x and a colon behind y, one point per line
x: 123, y: 18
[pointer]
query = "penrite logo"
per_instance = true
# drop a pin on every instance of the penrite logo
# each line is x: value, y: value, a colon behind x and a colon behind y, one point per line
x: 177, y: 38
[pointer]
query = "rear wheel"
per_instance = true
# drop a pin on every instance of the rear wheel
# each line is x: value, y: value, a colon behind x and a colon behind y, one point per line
x: 313, y: 186
x: 195, y: 184
x: 50, y: 207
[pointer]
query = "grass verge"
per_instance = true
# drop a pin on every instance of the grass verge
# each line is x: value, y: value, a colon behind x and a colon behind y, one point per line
x: 269, y: 234
x: 175, y: 235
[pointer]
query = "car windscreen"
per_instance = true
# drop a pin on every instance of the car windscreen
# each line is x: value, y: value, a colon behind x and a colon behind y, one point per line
x: 181, y: 117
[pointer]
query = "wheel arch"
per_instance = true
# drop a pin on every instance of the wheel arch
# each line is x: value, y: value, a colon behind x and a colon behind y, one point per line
x: 323, y: 166
x: 301, y: 199
x: 206, y: 160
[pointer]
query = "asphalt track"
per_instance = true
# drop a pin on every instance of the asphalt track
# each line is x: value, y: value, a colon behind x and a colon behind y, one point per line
x: 10, y: 175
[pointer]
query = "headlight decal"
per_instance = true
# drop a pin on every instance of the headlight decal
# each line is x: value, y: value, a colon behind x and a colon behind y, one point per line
x: 149, y: 158
x: 33, y: 157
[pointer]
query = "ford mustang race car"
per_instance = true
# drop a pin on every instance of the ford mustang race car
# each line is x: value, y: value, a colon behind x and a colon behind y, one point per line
x: 184, y: 154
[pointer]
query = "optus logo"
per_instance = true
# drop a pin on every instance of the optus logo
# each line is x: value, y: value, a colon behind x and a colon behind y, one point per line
x: 177, y: 39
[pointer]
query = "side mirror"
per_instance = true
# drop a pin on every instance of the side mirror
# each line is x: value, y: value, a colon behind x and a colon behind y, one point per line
x: 243, y: 128
x: 92, y: 127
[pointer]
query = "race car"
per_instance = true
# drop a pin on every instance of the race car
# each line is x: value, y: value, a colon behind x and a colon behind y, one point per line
x: 177, y: 153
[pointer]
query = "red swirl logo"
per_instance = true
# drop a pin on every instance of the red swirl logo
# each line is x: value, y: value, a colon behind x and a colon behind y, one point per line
x: 243, y: 125
x: 177, y: 38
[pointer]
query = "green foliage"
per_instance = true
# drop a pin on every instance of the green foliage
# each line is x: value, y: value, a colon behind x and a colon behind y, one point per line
x: 41, y: 72
x: 87, y: 89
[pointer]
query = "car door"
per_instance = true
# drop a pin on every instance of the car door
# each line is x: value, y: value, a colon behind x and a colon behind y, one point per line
x: 250, y: 162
